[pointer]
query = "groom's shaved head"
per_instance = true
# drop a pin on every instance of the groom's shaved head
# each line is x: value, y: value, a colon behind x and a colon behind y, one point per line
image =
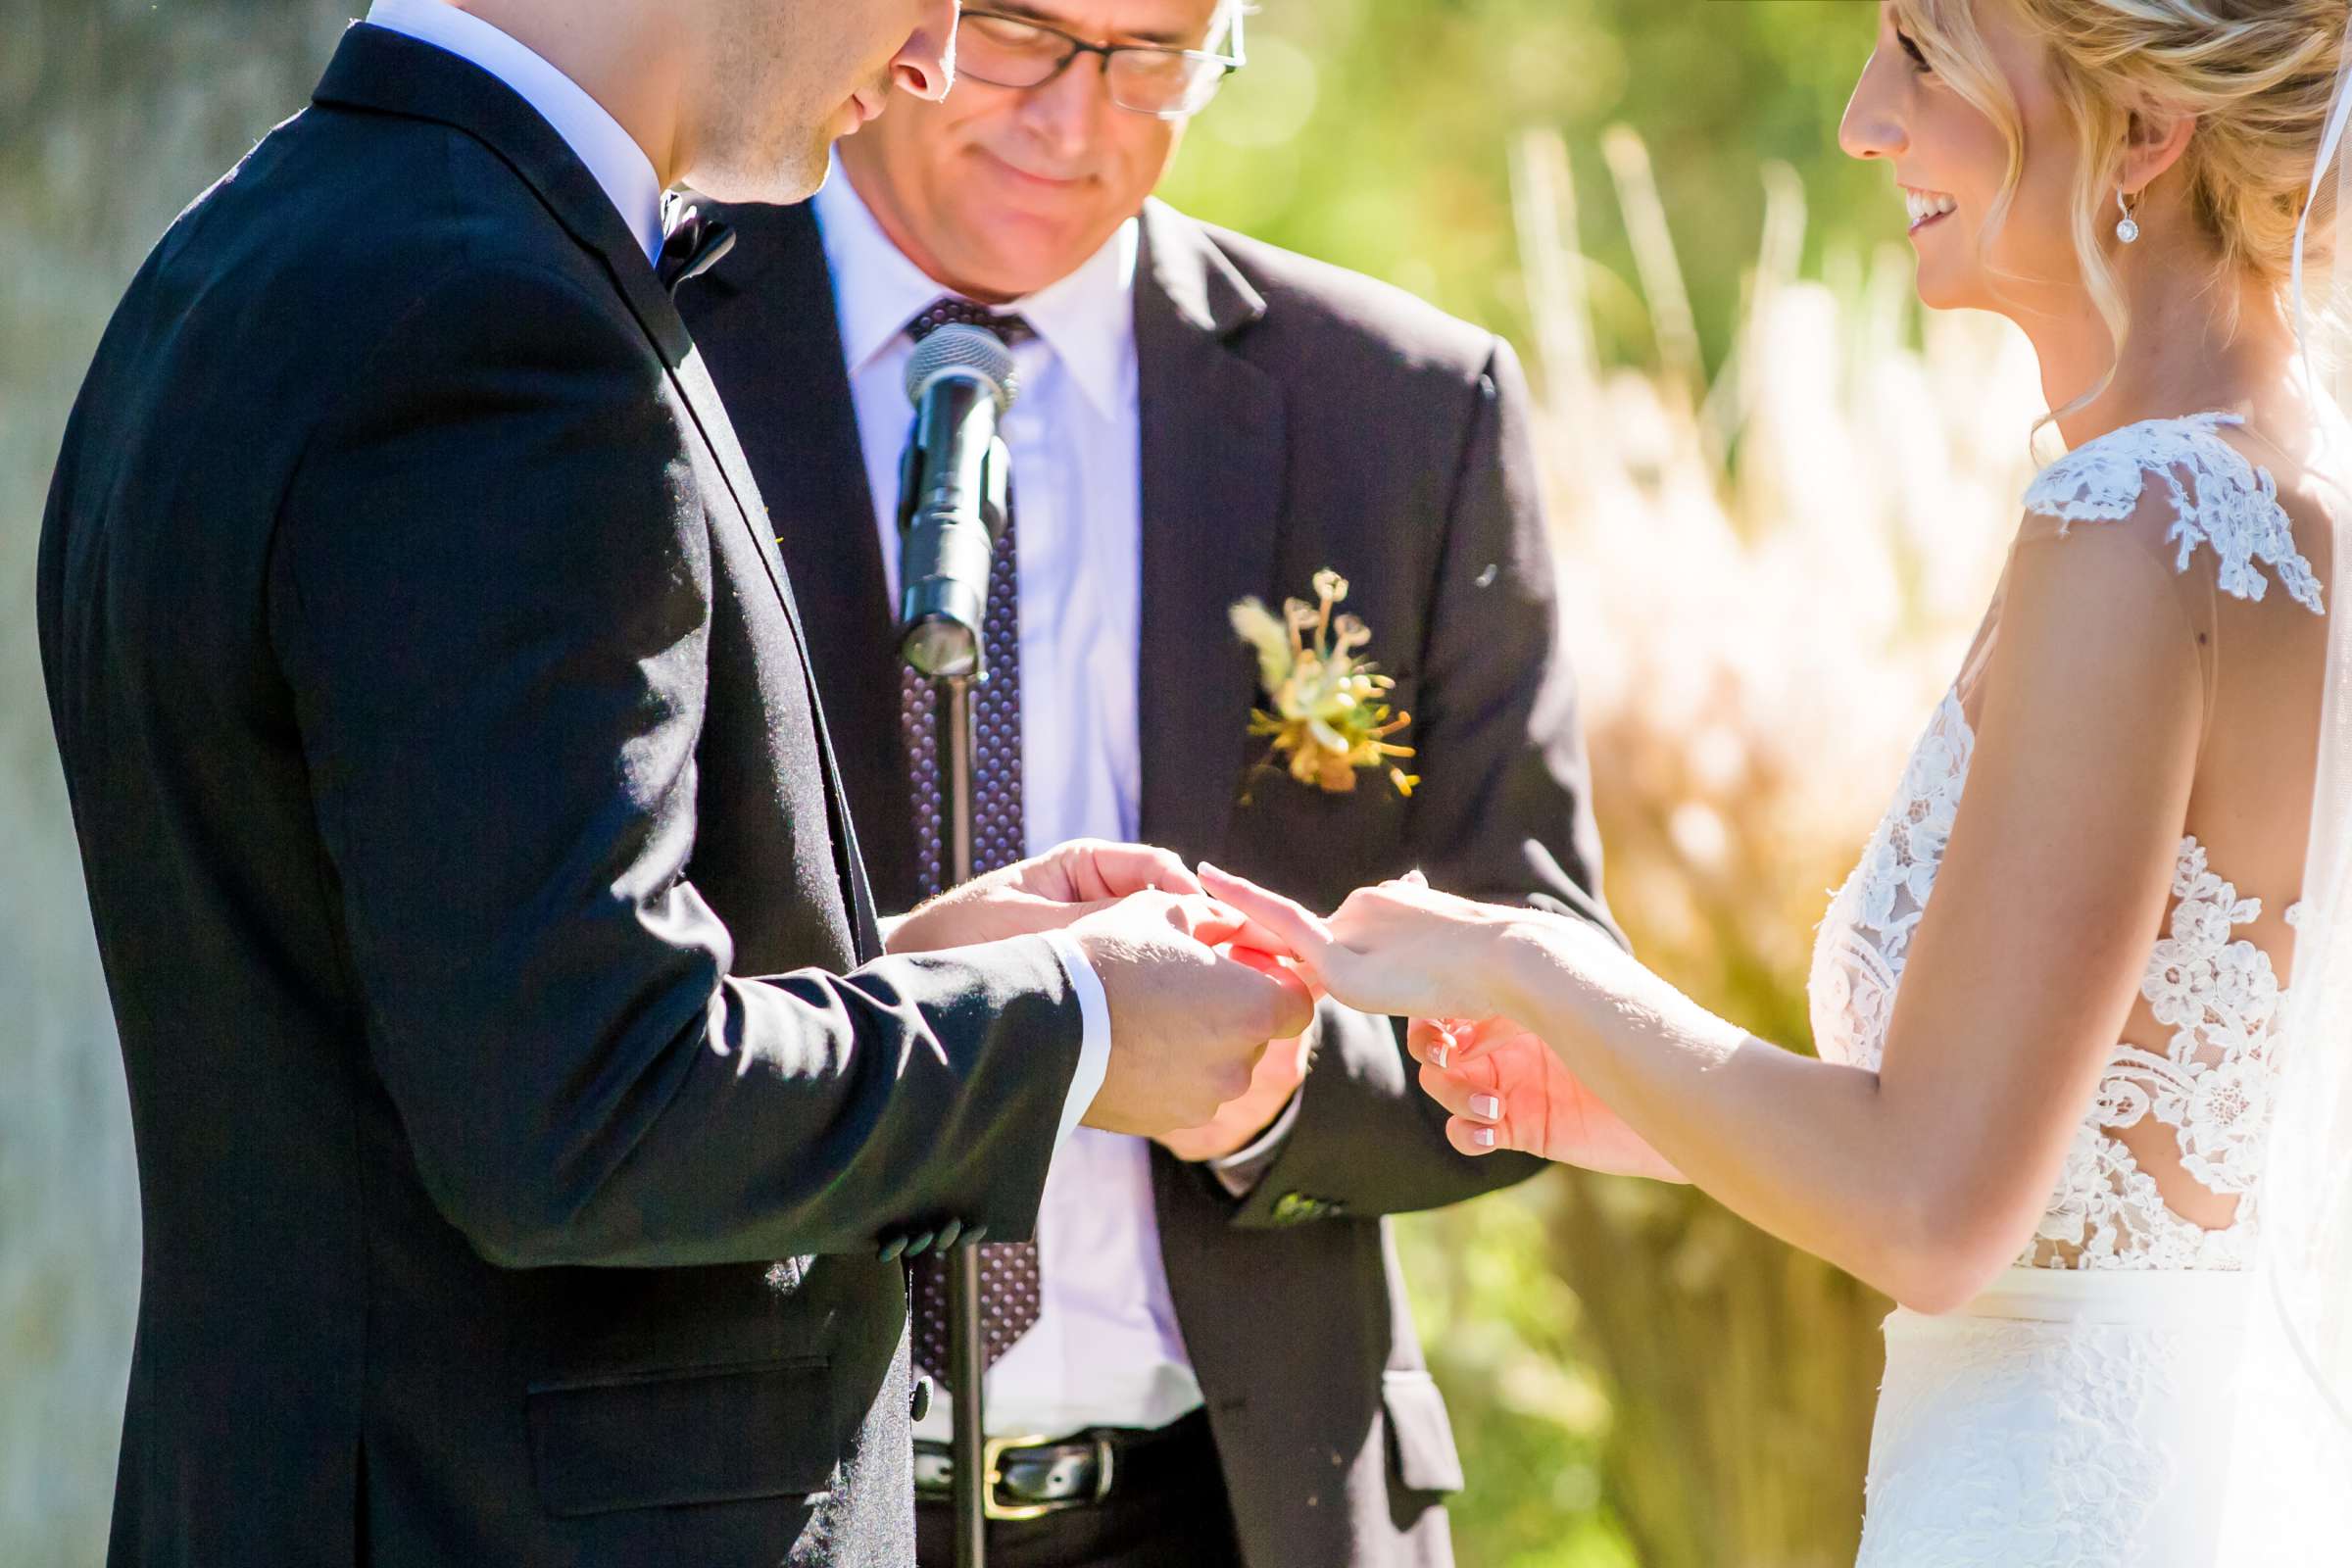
x: 999, y: 191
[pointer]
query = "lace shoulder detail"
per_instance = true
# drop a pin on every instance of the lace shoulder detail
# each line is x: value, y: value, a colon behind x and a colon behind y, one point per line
x: 2220, y: 499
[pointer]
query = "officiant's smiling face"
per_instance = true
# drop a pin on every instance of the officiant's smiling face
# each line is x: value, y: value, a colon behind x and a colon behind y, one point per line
x: 999, y: 191
x: 1925, y: 104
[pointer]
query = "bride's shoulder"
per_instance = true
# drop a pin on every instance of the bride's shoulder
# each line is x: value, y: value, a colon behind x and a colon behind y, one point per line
x: 2187, y: 489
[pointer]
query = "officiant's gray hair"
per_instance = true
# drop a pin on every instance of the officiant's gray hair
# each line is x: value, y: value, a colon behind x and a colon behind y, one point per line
x: 2258, y: 78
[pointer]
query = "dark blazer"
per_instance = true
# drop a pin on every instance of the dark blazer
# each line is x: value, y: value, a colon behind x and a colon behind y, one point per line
x: 445, y: 761
x: 1293, y: 417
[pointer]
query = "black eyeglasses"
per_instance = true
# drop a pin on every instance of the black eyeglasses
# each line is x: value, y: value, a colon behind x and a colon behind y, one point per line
x: 1009, y: 51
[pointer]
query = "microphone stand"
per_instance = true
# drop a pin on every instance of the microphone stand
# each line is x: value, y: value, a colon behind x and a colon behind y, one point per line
x: 953, y: 502
x: 965, y: 1367
x: 941, y: 640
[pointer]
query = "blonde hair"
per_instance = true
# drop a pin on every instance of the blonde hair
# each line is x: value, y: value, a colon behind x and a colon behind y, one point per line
x: 2258, y: 75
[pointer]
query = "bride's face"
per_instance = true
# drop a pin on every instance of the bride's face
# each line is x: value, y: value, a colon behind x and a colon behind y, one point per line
x: 1949, y: 160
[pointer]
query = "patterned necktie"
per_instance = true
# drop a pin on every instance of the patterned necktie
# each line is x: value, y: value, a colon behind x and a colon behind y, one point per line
x: 1008, y: 1270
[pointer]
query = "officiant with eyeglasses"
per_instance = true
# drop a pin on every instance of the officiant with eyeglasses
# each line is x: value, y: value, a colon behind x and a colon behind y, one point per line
x: 1205, y: 1356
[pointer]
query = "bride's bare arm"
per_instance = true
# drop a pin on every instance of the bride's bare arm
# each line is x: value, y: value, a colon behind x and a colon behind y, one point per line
x: 1927, y: 1176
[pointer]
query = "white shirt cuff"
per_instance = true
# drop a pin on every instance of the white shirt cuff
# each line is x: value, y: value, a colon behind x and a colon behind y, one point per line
x: 1093, y: 1048
x: 1263, y: 1144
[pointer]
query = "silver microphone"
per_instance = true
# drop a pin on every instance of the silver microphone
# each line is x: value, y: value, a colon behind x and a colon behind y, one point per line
x: 952, y: 496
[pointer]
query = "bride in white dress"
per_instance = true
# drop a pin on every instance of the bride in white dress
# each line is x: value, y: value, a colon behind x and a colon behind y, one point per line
x: 2057, y: 1003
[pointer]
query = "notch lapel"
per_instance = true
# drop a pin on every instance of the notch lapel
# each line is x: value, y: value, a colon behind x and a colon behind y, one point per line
x: 384, y: 71
x: 1214, y: 445
x: 768, y: 317
x: 389, y: 73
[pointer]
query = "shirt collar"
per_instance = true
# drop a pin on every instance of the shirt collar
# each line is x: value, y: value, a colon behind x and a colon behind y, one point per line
x: 1086, y: 318
x: 594, y: 136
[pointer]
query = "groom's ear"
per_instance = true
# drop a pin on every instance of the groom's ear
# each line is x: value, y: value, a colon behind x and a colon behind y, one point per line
x: 2153, y: 141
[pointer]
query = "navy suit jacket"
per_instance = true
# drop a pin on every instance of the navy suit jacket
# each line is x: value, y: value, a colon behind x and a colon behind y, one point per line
x: 521, y: 1101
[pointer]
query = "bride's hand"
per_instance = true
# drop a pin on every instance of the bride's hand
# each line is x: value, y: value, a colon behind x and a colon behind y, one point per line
x: 1401, y: 947
x: 1508, y: 1089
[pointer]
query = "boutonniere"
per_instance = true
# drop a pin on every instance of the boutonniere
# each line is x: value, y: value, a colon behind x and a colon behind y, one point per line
x: 1328, y: 719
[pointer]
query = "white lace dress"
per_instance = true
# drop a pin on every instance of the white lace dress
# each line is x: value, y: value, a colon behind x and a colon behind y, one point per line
x: 2072, y: 1414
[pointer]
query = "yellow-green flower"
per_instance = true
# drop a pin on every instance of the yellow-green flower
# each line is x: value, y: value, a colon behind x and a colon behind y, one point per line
x: 1328, y: 719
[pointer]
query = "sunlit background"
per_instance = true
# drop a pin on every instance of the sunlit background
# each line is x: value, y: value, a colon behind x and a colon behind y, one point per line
x: 1780, y: 497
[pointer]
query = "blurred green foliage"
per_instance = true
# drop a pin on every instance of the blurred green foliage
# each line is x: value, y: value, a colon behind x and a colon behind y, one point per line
x: 1624, y: 1362
x: 1374, y: 133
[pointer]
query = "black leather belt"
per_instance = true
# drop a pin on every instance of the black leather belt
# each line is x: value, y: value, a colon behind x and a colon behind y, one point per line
x: 1032, y: 1477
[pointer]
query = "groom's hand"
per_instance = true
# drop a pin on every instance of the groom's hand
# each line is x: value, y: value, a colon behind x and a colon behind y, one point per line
x: 1188, y: 1022
x: 1239, y: 1123
x: 1044, y: 892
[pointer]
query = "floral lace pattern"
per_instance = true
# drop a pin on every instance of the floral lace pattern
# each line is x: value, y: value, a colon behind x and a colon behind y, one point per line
x: 2211, y: 1084
x: 2006, y: 1441
x: 1858, y: 955
x: 2232, y: 508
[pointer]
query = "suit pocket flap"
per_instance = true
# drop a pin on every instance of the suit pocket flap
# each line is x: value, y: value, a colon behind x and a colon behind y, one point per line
x: 695, y: 1435
x: 1420, y: 1437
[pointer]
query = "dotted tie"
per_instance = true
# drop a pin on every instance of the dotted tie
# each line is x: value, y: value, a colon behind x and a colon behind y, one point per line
x: 1008, y: 1270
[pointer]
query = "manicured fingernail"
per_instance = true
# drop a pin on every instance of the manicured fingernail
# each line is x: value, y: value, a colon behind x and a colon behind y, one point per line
x: 1485, y: 1107
x: 1483, y: 1138
x: 1443, y: 1050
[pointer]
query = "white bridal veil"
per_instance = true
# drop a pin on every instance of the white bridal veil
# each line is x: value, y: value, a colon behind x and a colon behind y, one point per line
x: 2289, y: 1497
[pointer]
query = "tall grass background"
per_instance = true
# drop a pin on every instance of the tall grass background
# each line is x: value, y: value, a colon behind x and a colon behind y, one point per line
x: 1779, y: 498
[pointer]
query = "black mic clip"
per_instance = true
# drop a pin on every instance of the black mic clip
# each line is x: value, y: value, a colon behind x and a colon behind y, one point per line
x: 941, y: 612
x: 953, y: 490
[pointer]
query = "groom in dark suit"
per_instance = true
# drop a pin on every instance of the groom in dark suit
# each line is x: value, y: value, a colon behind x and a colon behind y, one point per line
x: 529, y: 1120
x: 1206, y: 1356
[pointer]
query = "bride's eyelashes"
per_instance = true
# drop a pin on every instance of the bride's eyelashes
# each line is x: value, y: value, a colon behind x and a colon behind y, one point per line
x: 1919, y: 60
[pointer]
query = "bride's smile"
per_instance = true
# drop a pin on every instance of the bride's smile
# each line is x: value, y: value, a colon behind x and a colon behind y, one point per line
x: 1926, y: 205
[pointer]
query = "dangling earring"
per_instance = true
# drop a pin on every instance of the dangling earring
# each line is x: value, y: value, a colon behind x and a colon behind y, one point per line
x: 2128, y: 229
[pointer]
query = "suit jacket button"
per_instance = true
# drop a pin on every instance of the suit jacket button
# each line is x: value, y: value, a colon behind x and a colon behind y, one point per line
x: 919, y: 1405
x: 892, y: 1247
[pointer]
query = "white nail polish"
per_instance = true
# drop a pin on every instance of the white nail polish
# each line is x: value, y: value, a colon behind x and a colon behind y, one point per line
x: 1485, y: 1107
x: 1483, y: 1138
x: 1437, y: 1054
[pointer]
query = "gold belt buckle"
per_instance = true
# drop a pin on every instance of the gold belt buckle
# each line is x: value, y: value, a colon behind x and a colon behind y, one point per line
x: 993, y: 1450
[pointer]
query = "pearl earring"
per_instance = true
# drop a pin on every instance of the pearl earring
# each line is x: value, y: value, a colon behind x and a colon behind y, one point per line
x: 2128, y: 229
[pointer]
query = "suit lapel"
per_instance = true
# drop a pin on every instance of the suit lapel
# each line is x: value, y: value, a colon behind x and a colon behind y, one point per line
x: 379, y: 69
x: 382, y: 70
x: 767, y: 315
x: 1214, y: 448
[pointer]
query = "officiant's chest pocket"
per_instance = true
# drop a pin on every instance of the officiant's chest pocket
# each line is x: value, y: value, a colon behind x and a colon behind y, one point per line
x: 691, y: 1435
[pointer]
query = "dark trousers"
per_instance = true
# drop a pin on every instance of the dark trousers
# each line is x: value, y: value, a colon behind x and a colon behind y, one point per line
x: 1173, y: 1514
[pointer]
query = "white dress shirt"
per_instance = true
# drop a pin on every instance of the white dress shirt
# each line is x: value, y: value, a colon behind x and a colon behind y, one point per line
x: 1105, y: 1349
x: 595, y: 138
x: 634, y: 188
